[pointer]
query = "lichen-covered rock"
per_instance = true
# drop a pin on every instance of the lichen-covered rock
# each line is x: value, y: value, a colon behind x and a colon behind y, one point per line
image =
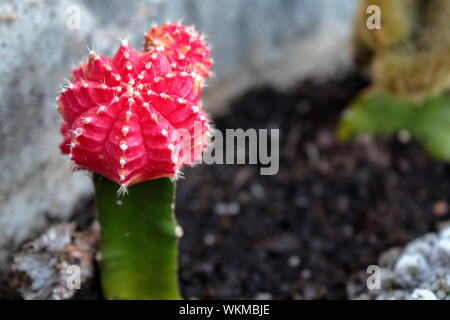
x: 420, y: 272
x: 48, y: 265
x: 423, y: 294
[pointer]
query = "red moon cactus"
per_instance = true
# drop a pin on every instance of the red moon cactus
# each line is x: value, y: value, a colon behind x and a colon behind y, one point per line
x: 136, y: 116
x: 185, y: 48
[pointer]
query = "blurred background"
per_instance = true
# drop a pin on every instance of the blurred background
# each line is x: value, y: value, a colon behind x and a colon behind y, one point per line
x: 309, y: 232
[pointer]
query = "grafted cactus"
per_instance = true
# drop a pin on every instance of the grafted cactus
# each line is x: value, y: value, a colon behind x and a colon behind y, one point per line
x: 135, y: 119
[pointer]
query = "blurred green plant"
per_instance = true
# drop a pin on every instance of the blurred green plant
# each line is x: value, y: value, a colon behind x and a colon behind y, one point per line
x: 384, y: 114
x: 409, y: 61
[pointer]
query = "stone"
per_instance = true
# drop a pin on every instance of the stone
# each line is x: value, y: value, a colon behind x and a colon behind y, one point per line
x: 420, y: 272
x: 57, y: 263
x: 423, y: 294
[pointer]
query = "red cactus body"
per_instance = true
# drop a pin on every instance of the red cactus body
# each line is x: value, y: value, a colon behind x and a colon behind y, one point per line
x: 186, y: 49
x: 133, y: 117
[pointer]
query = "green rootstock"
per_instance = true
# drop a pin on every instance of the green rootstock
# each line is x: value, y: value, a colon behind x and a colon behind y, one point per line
x: 138, y: 241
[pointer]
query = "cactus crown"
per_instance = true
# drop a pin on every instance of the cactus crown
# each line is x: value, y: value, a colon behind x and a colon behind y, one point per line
x: 124, y: 117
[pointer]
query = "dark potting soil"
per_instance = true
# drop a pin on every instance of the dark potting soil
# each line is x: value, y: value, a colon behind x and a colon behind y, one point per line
x: 328, y: 213
x: 304, y: 232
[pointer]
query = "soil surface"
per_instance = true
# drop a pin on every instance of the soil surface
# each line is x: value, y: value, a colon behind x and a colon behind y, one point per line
x: 328, y: 213
x: 304, y: 232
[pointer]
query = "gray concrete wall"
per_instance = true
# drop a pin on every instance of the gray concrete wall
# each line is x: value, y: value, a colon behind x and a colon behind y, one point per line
x: 253, y: 42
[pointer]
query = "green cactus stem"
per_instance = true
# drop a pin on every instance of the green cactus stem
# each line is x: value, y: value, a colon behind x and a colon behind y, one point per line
x: 138, y: 240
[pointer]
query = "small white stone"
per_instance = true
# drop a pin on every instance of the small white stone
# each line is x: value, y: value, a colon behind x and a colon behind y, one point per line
x: 234, y: 208
x: 209, y: 239
x: 411, y: 263
x: 257, y: 190
x: 263, y: 296
x: 423, y: 294
x: 444, y: 246
x: 294, y: 261
x: 445, y: 233
x: 221, y: 209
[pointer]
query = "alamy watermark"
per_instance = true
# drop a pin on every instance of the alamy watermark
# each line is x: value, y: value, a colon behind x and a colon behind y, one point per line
x: 238, y: 146
x: 374, y: 20
x: 374, y: 279
x: 237, y: 142
x: 73, y: 281
x: 73, y: 21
